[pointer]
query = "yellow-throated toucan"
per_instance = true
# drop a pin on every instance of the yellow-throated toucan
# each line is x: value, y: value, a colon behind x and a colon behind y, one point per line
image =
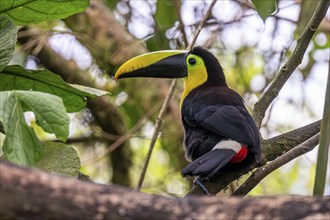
x: 220, y: 134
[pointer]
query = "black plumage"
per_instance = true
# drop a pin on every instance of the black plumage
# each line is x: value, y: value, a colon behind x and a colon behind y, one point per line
x: 212, y: 112
x: 220, y: 134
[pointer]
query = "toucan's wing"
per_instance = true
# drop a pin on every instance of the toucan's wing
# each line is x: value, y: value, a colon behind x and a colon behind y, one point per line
x: 233, y: 122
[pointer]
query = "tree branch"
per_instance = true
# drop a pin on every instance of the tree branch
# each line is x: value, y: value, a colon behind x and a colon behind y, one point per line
x: 34, y: 194
x: 263, y: 171
x: 272, y: 148
x: 276, y: 146
x: 181, y: 24
x: 201, y: 24
x: 302, y: 43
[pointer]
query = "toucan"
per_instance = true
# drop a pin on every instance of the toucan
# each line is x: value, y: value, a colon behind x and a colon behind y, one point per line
x: 219, y: 133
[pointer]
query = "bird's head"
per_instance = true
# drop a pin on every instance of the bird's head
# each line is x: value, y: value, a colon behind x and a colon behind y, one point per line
x: 197, y: 67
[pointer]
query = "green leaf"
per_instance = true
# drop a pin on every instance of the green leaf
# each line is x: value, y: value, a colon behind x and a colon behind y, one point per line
x: 8, y: 36
x: 158, y: 42
x: 23, y: 12
x: 166, y: 14
x: 17, y: 78
x: 21, y: 145
x: 265, y: 7
x: 60, y: 158
x: 165, y: 17
x: 49, y: 111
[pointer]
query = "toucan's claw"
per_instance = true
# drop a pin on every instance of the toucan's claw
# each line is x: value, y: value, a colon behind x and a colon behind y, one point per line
x: 198, y: 181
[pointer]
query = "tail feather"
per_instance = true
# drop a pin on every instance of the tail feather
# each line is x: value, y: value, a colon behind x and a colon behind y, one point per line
x: 208, y: 164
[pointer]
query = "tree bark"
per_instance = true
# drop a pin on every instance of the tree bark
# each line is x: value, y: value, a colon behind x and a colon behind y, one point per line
x: 33, y: 194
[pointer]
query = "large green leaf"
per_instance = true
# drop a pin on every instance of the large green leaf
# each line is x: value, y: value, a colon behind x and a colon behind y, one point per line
x: 21, y: 144
x: 23, y: 12
x: 265, y: 7
x: 60, y: 158
x: 8, y: 36
x: 18, y: 78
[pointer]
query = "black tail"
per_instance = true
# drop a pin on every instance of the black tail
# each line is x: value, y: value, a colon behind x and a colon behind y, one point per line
x: 209, y: 164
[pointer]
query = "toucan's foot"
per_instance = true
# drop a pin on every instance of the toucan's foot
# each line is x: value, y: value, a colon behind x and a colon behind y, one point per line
x: 198, y: 181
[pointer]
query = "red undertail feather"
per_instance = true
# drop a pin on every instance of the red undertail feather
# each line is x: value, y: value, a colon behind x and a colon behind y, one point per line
x: 240, y: 155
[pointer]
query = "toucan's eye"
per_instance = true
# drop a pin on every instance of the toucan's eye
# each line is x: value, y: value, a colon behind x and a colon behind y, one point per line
x: 192, y: 61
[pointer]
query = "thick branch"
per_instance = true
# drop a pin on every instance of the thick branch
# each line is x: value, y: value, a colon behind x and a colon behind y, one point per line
x: 263, y: 171
x: 271, y: 149
x: 34, y: 194
x: 292, y: 63
x: 276, y: 146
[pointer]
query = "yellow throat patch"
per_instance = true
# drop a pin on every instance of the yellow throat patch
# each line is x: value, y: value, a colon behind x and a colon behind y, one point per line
x: 197, y: 75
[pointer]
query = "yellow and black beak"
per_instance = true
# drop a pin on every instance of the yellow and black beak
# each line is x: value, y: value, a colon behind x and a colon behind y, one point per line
x: 160, y: 64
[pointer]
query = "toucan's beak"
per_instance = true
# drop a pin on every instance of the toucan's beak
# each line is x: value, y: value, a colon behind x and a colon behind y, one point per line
x: 160, y: 64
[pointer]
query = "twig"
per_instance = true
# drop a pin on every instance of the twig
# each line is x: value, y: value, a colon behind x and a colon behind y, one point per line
x: 129, y: 134
x: 181, y: 24
x: 124, y: 137
x: 166, y: 102
x: 302, y: 43
x: 201, y: 24
x: 263, y: 171
x: 155, y: 134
